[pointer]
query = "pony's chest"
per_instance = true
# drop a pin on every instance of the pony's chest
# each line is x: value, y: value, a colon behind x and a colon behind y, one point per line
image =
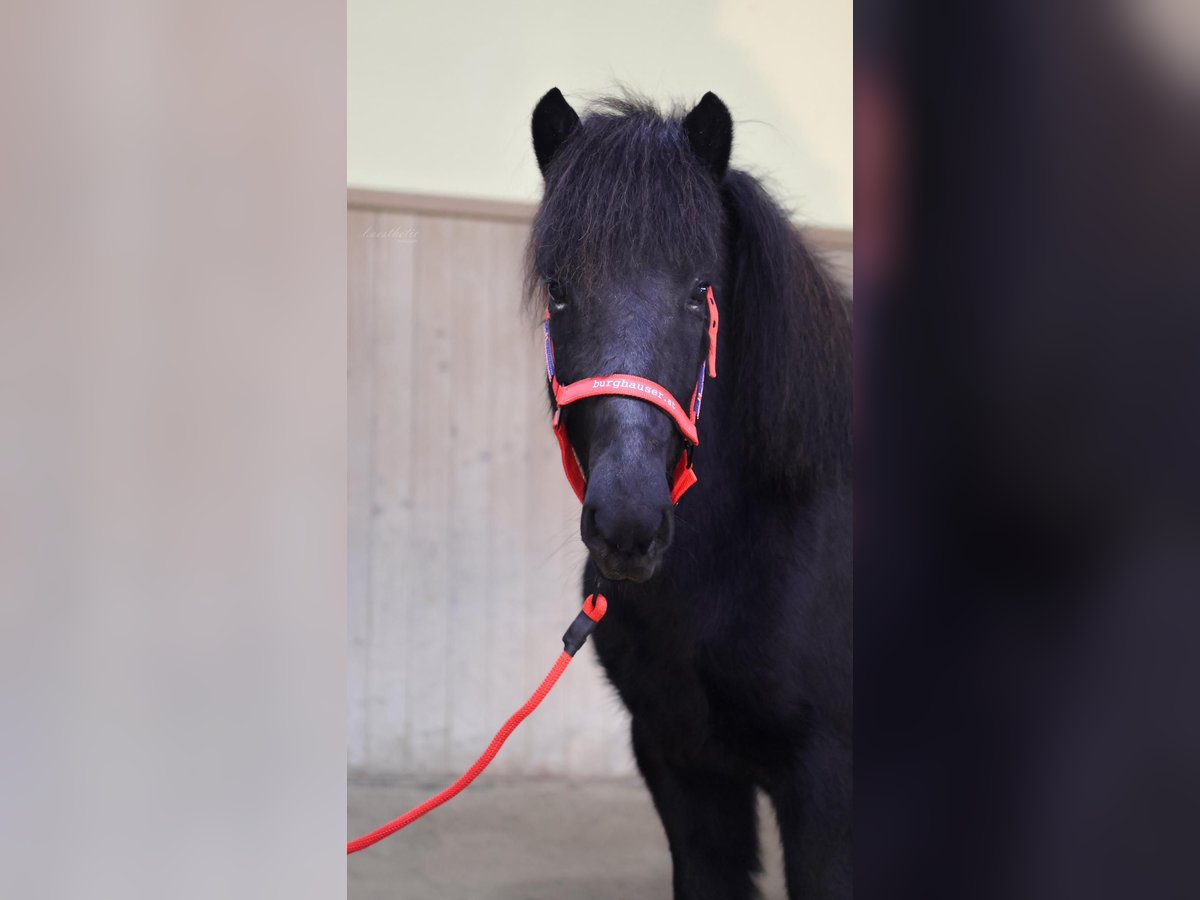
x: 695, y: 690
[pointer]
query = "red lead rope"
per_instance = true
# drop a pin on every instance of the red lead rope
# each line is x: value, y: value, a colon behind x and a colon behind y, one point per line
x: 593, y: 611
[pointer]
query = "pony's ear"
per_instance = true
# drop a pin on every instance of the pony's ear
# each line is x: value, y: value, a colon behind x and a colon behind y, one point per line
x: 710, y: 130
x: 553, y: 122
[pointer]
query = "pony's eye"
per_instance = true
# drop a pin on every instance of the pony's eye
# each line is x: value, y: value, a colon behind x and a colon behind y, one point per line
x: 558, y: 294
x: 699, y: 296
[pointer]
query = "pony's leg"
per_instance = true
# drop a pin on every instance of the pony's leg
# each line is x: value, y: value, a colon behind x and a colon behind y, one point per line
x: 813, y: 806
x: 711, y: 825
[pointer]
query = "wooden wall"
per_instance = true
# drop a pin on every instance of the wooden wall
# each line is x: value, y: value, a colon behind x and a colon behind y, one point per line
x: 464, y: 555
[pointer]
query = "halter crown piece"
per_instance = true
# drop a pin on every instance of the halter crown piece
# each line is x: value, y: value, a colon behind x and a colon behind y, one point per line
x: 622, y: 385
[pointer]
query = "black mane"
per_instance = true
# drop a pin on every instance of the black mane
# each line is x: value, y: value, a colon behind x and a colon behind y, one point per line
x: 789, y: 324
x: 627, y: 179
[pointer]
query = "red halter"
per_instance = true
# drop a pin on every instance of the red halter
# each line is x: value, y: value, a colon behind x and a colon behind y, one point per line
x: 640, y: 389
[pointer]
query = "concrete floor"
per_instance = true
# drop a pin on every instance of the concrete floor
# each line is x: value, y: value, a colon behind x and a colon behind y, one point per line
x: 523, y: 840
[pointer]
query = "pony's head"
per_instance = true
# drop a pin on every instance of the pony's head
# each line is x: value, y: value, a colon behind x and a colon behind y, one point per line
x: 627, y: 240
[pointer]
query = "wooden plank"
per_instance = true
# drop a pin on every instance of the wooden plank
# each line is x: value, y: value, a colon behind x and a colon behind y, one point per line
x: 472, y: 301
x: 516, y: 398
x: 829, y: 240
x: 392, y: 263
x: 553, y: 594
x: 441, y: 205
x: 428, y: 550
x: 360, y: 322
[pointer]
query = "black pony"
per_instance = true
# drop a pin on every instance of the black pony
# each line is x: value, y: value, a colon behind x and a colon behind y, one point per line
x: 728, y: 634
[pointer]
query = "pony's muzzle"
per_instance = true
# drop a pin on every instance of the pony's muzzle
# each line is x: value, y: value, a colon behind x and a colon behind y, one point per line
x: 625, y: 537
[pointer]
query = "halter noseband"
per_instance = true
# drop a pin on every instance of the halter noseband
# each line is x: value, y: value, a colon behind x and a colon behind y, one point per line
x: 639, y: 389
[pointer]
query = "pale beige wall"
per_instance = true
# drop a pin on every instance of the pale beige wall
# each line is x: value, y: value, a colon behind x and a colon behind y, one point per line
x: 439, y: 93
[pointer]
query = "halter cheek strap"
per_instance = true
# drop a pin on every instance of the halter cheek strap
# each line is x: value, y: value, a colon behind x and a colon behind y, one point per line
x: 623, y: 385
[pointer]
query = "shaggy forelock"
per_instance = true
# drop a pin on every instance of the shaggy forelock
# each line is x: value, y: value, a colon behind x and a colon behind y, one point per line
x: 624, y: 191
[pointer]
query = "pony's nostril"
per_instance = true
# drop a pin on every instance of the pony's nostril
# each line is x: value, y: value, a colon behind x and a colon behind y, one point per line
x: 589, y: 528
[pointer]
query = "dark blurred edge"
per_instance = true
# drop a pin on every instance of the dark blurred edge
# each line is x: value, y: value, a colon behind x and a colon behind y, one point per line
x: 1027, y: 554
